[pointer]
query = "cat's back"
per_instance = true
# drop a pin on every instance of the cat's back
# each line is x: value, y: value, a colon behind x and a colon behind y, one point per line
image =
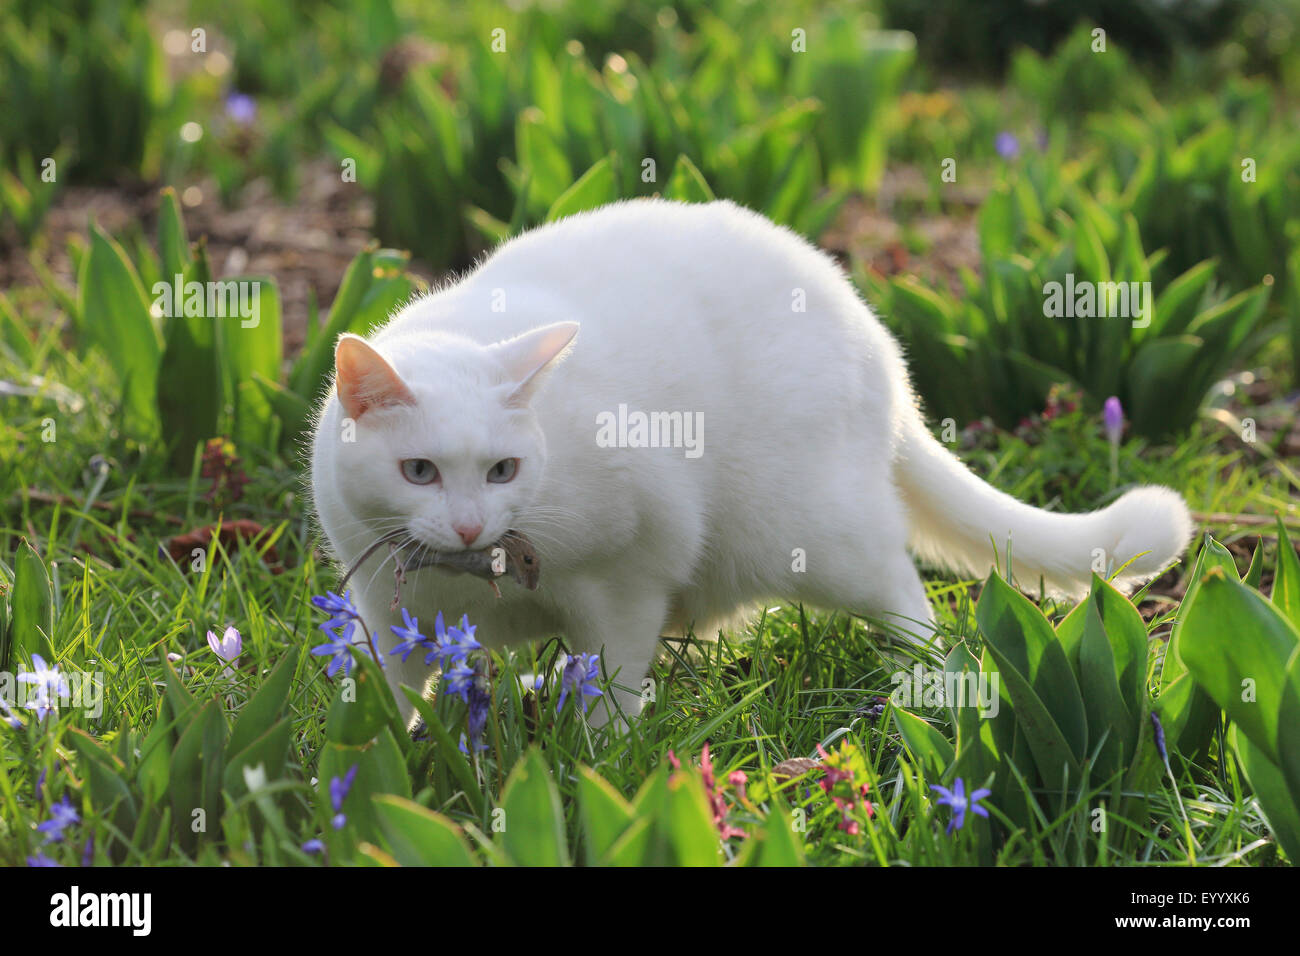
x: 657, y: 239
x: 648, y: 269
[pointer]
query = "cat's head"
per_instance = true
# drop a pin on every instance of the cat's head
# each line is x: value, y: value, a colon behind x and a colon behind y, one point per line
x: 440, y: 438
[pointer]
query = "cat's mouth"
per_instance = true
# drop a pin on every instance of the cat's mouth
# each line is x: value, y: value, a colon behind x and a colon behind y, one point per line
x: 513, y: 554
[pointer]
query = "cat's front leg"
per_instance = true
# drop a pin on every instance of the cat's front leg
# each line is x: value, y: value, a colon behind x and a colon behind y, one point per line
x: 622, y: 625
x: 413, y: 672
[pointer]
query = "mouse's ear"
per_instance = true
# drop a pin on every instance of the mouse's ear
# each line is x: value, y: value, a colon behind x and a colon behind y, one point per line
x: 530, y: 357
x: 364, y: 378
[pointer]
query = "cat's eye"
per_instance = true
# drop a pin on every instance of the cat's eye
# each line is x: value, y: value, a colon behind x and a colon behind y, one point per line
x: 503, y: 471
x: 419, y: 471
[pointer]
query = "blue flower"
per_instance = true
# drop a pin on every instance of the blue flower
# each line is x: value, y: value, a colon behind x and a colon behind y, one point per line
x: 339, y: 787
x: 8, y: 715
x: 480, y: 706
x: 1007, y: 145
x: 48, y: 682
x: 580, y: 673
x: 960, y: 803
x: 1160, y: 738
x: 460, y: 679
x: 453, y: 644
x: 341, y: 608
x: 340, y: 650
x: 313, y: 846
x: 62, y: 815
x: 40, y: 859
x: 241, y: 108
x: 410, y: 634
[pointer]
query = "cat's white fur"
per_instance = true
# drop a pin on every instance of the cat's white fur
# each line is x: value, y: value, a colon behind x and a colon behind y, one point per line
x: 812, y: 444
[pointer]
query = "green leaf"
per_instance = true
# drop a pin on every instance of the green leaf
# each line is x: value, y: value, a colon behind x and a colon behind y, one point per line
x: 190, y: 389
x: 1023, y: 640
x: 380, y: 769
x: 534, y: 820
x: 291, y: 409
x: 931, y: 749
x: 1281, y: 805
x: 173, y: 241
x: 31, y: 619
x: 269, y: 751
x: 596, y: 187
x: 314, y: 364
x: 104, y: 774
x: 1051, y: 751
x: 1286, y: 580
x: 1189, y: 716
x: 689, y: 822
x: 266, y: 706
x: 687, y: 183
x: 419, y: 837
x: 1238, y: 647
x: 605, y: 814
x: 114, y: 312
x: 1110, y: 718
x: 779, y: 846
x: 363, y: 706
x: 1255, y: 573
x: 1158, y: 378
x: 196, y: 774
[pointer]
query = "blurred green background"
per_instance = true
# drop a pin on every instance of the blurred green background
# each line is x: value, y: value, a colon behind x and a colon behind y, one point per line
x: 957, y: 158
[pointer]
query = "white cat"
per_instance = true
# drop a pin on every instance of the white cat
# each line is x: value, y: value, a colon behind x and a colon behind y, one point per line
x: 515, y: 399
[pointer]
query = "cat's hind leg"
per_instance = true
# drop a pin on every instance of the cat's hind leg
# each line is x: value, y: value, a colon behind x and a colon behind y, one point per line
x: 865, y: 568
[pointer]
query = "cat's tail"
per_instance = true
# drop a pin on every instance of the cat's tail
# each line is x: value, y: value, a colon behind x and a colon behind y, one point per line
x: 962, y: 523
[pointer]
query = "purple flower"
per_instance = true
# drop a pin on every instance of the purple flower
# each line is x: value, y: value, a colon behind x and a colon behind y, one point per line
x: 340, y: 651
x: 1112, y: 416
x: 956, y: 799
x: 452, y: 644
x: 459, y: 680
x: 480, y: 706
x: 1160, y: 738
x: 1007, y: 145
x: 341, y: 608
x: 62, y: 815
x: 40, y: 859
x: 410, y: 634
x: 580, y: 673
x: 313, y: 846
x: 48, y: 682
x: 88, y: 851
x: 339, y: 787
x: 9, y: 716
x: 241, y: 108
x: 228, y: 646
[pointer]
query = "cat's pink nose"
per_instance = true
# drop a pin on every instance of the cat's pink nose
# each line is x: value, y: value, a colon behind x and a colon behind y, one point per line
x: 468, y: 532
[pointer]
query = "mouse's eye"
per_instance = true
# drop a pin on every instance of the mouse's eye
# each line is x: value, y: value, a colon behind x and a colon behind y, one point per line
x: 503, y: 471
x: 419, y: 471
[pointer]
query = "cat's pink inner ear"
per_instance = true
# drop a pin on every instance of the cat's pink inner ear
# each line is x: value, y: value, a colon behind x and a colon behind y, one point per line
x: 529, y: 357
x: 364, y: 378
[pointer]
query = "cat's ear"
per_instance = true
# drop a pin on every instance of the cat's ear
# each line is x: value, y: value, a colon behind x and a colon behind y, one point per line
x: 364, y: 378
x: 528, y: 358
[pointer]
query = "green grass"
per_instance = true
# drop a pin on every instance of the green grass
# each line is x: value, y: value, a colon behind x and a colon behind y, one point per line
x: 795, y: 680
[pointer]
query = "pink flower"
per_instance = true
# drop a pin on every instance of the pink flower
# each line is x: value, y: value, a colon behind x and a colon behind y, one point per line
x: 228, y: 647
